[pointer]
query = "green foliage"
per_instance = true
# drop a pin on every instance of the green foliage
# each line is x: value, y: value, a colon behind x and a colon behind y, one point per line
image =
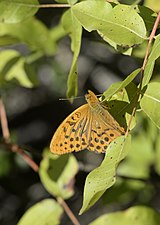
x: 103, y: 177
x: 116, y: 87
x: 73, y: 27
x: 14, y: 66
x: 155, y: 53
x: 47, y: 212
x: 57, y: 174
x: 150, y: 102
x: 14, y: 11
x: 121, y: 25
x: 137, y: 215
x: 125, y: 28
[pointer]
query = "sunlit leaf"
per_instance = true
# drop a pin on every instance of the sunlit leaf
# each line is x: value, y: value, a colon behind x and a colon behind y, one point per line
x: 114, y: 88
x: 150, y: 103
x: 137, y: 215
x: 148, y: 16
x: 157, y: 152
x: 121, y: 25
x: 46, y: 212
x: 155, y: 53
x: 12, y: 66
x: 153, y: 4
x: 14, y: 11
x: 139, y: 160
x: 41, y: 40
x: 103, y: 177
x: 73, y: 27
x: 57, y: 174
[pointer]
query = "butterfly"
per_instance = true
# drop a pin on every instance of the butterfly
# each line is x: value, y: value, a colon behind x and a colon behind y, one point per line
x: 90, y: 127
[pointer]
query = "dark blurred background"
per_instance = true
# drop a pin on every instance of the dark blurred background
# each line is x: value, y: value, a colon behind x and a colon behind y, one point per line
x: 34, y: 114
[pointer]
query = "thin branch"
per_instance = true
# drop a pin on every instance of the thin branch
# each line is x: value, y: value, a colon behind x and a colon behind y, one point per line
x: 45, y: 5
x: 150, y: 40
x: 4, y: 123
x: 7, y: 142
x: 68, y: 211
x: 152, y: 35
x: 15, y: 148
x: 53, y: 6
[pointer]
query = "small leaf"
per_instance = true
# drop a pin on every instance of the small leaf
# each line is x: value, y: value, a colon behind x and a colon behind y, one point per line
x: 157, y: 152
x: 114, y: 88
x: 41, y: 40
x: 47, y: 212
x: 12, y: 66
x: 103, y: 177
x: 136, y: 215
x: 153, y: 4
x: 72, y: 2
x: 14, y: 11
x: 139, y: 160
x: 121, y: 25
x: 150, y: 102
x: 57, y: 174
x: 148, y: 16
x: 73, y: 27
x: 155, y: 54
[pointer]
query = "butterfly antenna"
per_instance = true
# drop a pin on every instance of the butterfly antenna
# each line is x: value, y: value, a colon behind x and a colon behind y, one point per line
x: 68, y: 99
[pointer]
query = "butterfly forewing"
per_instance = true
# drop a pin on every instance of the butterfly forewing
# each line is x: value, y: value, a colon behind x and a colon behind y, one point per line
x: 72, y: 134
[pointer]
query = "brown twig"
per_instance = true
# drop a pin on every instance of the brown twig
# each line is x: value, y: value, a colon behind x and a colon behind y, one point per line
x: 45, y: 5
x: 4, y: 123
x: 15, y: 148
x: 68, y: 211
x: 150, y: 40
x: 152, y: 35
x: 7, y: 142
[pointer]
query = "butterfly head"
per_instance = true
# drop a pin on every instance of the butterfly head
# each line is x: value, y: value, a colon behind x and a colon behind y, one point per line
x: 91, y: 98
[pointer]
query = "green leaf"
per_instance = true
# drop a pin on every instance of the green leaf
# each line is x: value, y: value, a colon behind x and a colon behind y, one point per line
x: 103, y: 177
x: 155, y: 54
x: 57, y: 174
x: 61, y: 1
x: 41, y: 40
x: 157, y: 152
x: 72, y: 2
x: 139, y: 160
x: 14, y: 11
x: 114, y: 88
x: 121, y: 25
x: 148, y: 16
x: 150, y: 102
x: 12, y: 66
x: 153, y: 4
x: 47, y: 212
x: 73, y: 27
x: 5, y: 162
x: 136, y: 215
x: 126, y: 190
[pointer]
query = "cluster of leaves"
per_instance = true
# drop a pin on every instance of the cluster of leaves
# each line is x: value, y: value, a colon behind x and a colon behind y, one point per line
x: 124, y: 28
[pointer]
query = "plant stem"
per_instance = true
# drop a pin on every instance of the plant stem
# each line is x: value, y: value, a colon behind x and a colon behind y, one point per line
x: 45, y: 5
x: 7, y: 142
x: 4, y: 122
x: 152, y: 35
x: 68, y: 211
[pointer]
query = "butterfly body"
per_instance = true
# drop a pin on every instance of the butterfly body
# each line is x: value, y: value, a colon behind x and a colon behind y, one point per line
x: 89, y: 127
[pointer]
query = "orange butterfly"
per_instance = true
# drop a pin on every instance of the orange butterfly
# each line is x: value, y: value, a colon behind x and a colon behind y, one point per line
x: 89, y: 127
